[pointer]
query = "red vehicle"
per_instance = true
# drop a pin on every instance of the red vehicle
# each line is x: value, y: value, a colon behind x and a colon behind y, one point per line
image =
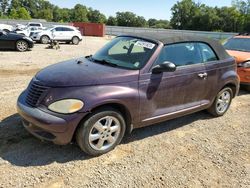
x: 239, y: 47
x: 132, y: 82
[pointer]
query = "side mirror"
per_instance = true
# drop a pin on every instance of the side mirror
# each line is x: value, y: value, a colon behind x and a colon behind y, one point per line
x: 164, y: 67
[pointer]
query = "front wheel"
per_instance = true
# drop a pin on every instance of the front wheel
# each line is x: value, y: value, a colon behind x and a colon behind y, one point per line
x: 101, y: 132
x: 222, y: 102
x: 22, y: 46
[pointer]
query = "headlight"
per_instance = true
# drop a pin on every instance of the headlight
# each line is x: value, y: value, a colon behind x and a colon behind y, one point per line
x: 245, y: 64
x: 66, y: 106
x: 27, y: 38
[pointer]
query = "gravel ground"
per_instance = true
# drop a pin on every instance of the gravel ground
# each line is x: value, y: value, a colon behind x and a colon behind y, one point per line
x: 192, y: 151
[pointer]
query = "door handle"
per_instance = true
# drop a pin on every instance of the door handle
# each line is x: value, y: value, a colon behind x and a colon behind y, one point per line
x: 203, y: 75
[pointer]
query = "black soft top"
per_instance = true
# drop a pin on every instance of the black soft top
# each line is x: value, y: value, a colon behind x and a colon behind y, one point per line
x: 166, y: 40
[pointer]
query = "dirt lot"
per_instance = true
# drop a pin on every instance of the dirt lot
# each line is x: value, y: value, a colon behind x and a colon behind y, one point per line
x: 193, y: 151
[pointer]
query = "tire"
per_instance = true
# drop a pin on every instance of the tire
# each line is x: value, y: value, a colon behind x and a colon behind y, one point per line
x: 22, y: 46
x: 45, y: 39
x: 75, y: 40
x: 222, y: 102
x: 95, y: 138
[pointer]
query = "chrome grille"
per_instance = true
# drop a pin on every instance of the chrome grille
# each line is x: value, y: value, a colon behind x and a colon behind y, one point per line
x: 35, y: 93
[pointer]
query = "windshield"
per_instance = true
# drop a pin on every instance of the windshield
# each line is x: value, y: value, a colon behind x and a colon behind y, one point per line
x: 238, y: 44
x: 126, y: 52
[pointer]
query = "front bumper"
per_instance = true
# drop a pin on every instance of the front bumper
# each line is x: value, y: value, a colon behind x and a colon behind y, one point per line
x: 46, y: 126
x: 31, y: 44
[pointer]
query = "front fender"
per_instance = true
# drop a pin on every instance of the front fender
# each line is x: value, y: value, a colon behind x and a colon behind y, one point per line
x: 125, y: 94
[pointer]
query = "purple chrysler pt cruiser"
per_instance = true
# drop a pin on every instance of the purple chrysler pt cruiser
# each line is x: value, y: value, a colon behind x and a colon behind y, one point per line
x: 133, y: 81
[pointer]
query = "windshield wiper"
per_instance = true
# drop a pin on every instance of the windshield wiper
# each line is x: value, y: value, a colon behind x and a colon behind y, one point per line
x: 103, y: 62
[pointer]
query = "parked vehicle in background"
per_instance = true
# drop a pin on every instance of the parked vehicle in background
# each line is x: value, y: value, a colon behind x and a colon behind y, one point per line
x: 19, y: 27
x: 133, y: 81
x: 9, y: 40
x: 35, y: 24
x: 239, y: 47
x: 29, y: 31
x: 59, y: 33
x: 6, y: 28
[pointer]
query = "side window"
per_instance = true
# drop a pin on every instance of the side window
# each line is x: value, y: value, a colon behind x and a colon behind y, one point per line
x: 181, y: 54
x: 207, y: 53
x: 67, y: 29
x: 59, y: 29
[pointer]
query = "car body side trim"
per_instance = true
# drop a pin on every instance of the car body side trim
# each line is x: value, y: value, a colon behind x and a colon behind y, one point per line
x: 173, y: 113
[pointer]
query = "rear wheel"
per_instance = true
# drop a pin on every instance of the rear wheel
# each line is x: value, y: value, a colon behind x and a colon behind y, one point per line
x: 101, y: 132
x: 45, y: 39
x: 222, y: 102
x: 22, y: 46
x: 75, y: 40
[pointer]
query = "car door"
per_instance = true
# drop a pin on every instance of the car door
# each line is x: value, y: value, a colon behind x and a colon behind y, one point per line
x: 214, y: 70
x: 58, y: 33
x: 5, y: 41
x: 165, y: 95
x: 68, y: 33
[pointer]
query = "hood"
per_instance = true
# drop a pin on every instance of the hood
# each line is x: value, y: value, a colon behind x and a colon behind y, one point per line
x: 70, y: 73
x: 239, y: 56
x: 15, y: 35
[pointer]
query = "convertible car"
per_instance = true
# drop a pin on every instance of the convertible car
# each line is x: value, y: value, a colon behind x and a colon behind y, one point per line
x: 133, y: 81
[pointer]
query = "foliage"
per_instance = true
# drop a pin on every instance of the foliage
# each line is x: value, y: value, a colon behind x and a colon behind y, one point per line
x: 164, y: 24
x: 196, y: 16
x: 112, y: 21
x: 79, y: 13
x: 130, y: 19
x: 95, y: 16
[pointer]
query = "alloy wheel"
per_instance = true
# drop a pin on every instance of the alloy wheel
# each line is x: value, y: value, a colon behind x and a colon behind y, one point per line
x: 22, y: 46
x: 223, y: 102
x: 104, y: 133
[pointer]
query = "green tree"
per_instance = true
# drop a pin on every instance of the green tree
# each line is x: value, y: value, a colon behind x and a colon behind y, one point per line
x: 159, y: 24
x: 140, y: 21
x: 95, y: 16
x: 80, y: 13
x: 183, y: 14
x: 46, y: 14
x: 23, y: 14
x: 112, y: 21
x: 130, y: 19
x: 152, y: 22
x: 3, y: 6
x: 13, y: 14
x: 15, y: 4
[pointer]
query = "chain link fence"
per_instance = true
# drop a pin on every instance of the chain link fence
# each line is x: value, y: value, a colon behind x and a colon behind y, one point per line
x: 117, y: 30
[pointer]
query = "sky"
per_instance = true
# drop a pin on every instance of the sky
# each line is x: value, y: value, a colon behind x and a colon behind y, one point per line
x: 158, y: 9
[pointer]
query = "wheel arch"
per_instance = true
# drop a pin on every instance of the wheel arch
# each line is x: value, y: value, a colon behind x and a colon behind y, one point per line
x: 233, y: 86
x: 116, y: 106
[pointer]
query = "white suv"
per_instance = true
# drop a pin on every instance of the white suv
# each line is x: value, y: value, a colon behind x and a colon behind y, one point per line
x: 59, y: 33
x: 6, y: 27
